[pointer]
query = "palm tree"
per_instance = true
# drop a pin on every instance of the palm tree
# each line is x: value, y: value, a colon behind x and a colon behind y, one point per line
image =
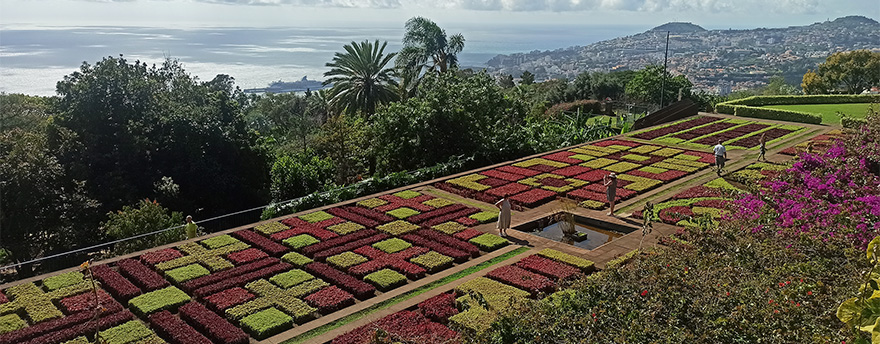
x: 360, y: 79
x: 425, y: 45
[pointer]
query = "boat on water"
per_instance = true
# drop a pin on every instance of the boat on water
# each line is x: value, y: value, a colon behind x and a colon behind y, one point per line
x: 279, y: 86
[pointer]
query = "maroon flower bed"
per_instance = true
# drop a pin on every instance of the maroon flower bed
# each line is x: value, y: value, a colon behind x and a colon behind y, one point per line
x: 522, y: 279
x: 664, y: 177
x: 459, y: 255
x: 159, y: 256
x: 295, y: 222
x: 697, y: 121
x: 350, y: 246
x: 86, y: 302
x: 572, y: 171
x: 356, y: 218
x: 371, y: 214
x: 467, y: 234
x: 212, y: 325
x: 533, y: 198
x: 493, y: 182
x: 412, y: 271
x: 404, y: 326
x: 732, y: 134
x: 592, y: 176
x: 141, y: 275
x: 708, y: 158
x: 755, y: 140
x: 230, y: 273
x: 563, y: 157
x: 697, y: 132
x: 112, y: 281
x: 397, y: 202
x: 241, y: 280
x: 175, y: 330
x: 419, y: 218
x: 317, y: 232
x: 469, y: 222
x: 71, y: 330
x: 548, y: 267
x: 260, y: 242
x: 449, y: 241
x: 622, y: 193
x: 672, y: 215
x: 3, y: 298
x: 544, y: 168
x: 698, y: 191
x: 511, y: 177
x: 338, y: 241
x: 329, y: 222
x: 439, y: 308
x: 330, y: 299
x: 518, y: 170
x: 712, y: 203
x: 360, y: 289
x: 450, y: 217
x: 246, y: 256
x: 554, y: 182
x: 607, y: 143
x: 228, y: 298
x: 584, y: 195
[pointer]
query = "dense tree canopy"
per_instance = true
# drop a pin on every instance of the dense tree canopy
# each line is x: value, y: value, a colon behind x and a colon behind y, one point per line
x: 648, y: 85
x: 844, y: 72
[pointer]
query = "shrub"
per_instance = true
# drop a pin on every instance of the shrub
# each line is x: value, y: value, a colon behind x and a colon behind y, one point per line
x: 212, y: 325
x: 777, y: 114
x: 397, y: 227
x: 485, y: 216
x: 549, y: 268
x: 852, y: 122
x: 372, y: 203
x: 186, y: 273
x: 583, y: 106
x: 404, y: 327
x: 296, y: 259
x: 113, y: 282
x: 621, y: 260
x: 291, y: 278
x: 578, y: 262
x: 489, y: 242
x: 330, y: 299
x: 266, y: 323
x: 591, y: 204
x: 392, y: 245
x: 219, y: 241
x: 355, y: 286
x: 159, y: 256
x: 469, y: 182
x: 307, y: 287
x: 141, y: 275
x: 439, y: 308
x: 242, y: 279
x: 402, y: 213
x: 317, y: 216
x: 246, y: 256
x: 162, y: 299
x: 433, y: 261
x: 346, y: 259
x: 126, y: 333
x: 300, y: 241
x: 386, y: 279
x: 264, y: 244
x: 63, y: 280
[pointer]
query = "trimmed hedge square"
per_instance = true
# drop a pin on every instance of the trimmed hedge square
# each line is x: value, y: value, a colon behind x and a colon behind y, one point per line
x: 126, y: 333
x: 271, y: 228
x: 591, y: 204
x: 266, y: 323
x: 219, y: 241
x: 346, y: 259
x: 186, y: 273
x: 300, y: 241
x: 11, y: 322
x: 438, y: 202
x: 598, y: 163
x: 635, y: 157
x: 291, y: 278
x: 667, y: 152
x: 296, y: 259
x: 402, y: 213
x: 621, y: 167
x: 63, y: 280
x: 449, y: 227
x: 489, y: 242
x: 317, y: 216
x: 345, y: 228
x: 433, y: 261
x: 653, y: 169
x: 392, y: 245
x: 644, y: 149
x: 398, y: 227
x: 386, y: 279
x: 372, y: 203
x: 407, y: 194
x: 157, y: 300
x: 485, y: 216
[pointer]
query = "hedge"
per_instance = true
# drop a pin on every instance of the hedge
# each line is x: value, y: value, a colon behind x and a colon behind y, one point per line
x: 392, y: 245
x: 386, y: 279
x: 300, y: 241
x: 489, y: 242
x: 346, y: 259
x: 266, y: 323
x: 63, y: 280
x: 219, y: 241
x: 433, y: 261
x: 808, y: 99
x: 852, y: 122
x: 11, y: 322
x: 291, y: 278
x: 777, y: 114
x: 158, y: 300
x: 566, y: 258
x: 129, y: 332
x: 296, y: 259
x: 186, y: 273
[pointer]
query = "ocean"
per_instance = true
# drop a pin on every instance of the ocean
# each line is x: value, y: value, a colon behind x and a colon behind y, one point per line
x: 34, y: 59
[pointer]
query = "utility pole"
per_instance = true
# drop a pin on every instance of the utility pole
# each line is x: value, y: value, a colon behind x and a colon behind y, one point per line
x: 665, y: 59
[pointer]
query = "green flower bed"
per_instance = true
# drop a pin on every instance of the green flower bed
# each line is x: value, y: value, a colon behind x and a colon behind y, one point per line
x: 186, y: 273
x: 667, y: 152
x: 386, y: 279
x: 476, y: 319
x: 407, y: 194
x: 621, y: 167
x: 720, y: 183
x: 63, y: 280
x: 485, y: 216
x: 684, y: 162
x: 308, y: 287
x: 687, y: 157
x: 433, y: 261
x: 598, y: 163
x: 157, y: 300
x: 219, y: 241
x: 392, y: 245
x: 566, y: 258
x: 591, y: 204
x: 449, y: 227
x: 402, y: 213
x: 11, y: 322
x: 398, y: 227
x: 270, y: 228
x: 676, y: 167
x: 438, y: 202
x: 346, y: 259
x: 470, y: 182
x: 489, y: 242
x: 636, y: 157
x: 582, y: 157
x: 644, y: 149
x: 291, y: 278
x: 79, y: 340
x: 300, y: 241
x: 345, y: 228
x: 653, y: 169
x: 317, y: 216
x: 296, y: 259
x: 372, y: 203
x: 266, y: 323
x: 496, y: 294
x: 126, y: 333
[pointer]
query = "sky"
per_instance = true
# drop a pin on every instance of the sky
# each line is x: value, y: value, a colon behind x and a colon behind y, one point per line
x: 711, y: 14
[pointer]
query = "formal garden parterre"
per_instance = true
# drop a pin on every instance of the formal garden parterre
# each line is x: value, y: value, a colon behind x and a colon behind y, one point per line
x: 705, y: 132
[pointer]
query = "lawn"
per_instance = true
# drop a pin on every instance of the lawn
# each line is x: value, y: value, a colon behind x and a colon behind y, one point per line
x: 828, y: 111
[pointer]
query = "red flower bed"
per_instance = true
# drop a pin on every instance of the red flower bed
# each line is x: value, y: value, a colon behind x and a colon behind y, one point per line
x: 697, y: 121
x: 356, y: 218
x: 350, y: 246
x: 544, y: 168
x: 82, y: 327
x: 712, y: 203
x: 755, y: 140
x: 396, y: 261
x: 664, y: 177
x: 732, y: 134
x: 548, y: 267
x: 86, y: 302
x: 159, y: 256
x: 522, y: 279
x: 672, y: 215
x: 410, y: 270
x: 607, y: 143
x: 584, y: 195
x: 228, y: 298
x: 212, y: 325
x: 493, y: 182
x: 329, y: 222
x: 449, y: 241
x: 450, y: 217
x: 370, y: 252
x: 330, y: 299
x: 419, y: 218
x: 572, y: 171
x: 533, y: 197
x: 397, y: 202
x: 246, y: 256
x: 622, y: 193
x: 360, y: 289
x: 227, y: 274
x: 518, y: 170
x: 295, y: 222
x: 708, y: 158
x: 554, y: 182
x: 338, y: 241
x: 698, y: 191
x: 593, y: 176
x: 404, y: 326
x: 113, y: 282
x: 3, y: 298
x: 511, y: 177
x: 260, y: 242
x: 380, y: 217
x: 317, y: 232
x: 177, y: 331
x: 439, y: 308
x: 241, y: 280
x: 695, y: 133
x: 141, y: 275
x: 467, y: 234
x: 459, y: 255
x: 467, y: 221
x: 563, y: 157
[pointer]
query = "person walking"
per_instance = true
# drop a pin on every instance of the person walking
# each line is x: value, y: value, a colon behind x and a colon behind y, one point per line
x: 763, y: 148
x: 503, y: 216
x: 191, y: 227
x: 720, y: 156
x: 610, y: 181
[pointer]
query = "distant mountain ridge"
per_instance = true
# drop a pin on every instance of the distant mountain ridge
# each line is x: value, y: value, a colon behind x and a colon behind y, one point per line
x: 714, y: 60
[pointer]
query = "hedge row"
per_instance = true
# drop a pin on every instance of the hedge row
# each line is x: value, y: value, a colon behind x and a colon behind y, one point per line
x: 808, y: 99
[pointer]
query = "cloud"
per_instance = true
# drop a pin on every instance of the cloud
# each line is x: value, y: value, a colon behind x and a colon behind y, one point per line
x: 313, y: 3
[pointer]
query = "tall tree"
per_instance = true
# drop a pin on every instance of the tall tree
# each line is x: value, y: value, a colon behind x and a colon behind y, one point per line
x: 846, y: 72
x: 360, y: 79
x: 647, y: 85
x: 527, y: 78
x: 426, y: 47
x: 147, y: 217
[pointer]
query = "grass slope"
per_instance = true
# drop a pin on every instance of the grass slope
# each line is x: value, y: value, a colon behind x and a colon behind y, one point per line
x: 828, y: 111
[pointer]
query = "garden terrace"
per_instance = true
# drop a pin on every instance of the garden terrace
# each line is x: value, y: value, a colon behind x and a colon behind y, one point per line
x: 407, y: 255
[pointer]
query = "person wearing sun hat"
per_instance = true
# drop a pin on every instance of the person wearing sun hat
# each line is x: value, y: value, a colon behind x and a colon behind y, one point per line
x: 610, y: 181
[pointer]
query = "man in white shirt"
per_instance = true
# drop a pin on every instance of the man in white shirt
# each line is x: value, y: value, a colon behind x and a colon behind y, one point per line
x: 720, y: 156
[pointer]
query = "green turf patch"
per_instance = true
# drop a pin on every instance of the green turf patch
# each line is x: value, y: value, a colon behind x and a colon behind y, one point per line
x: 392, y: 245
x: 317, y: 216
x: 186, y: 273
x: 402, y: 213
x: 828, y: 111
